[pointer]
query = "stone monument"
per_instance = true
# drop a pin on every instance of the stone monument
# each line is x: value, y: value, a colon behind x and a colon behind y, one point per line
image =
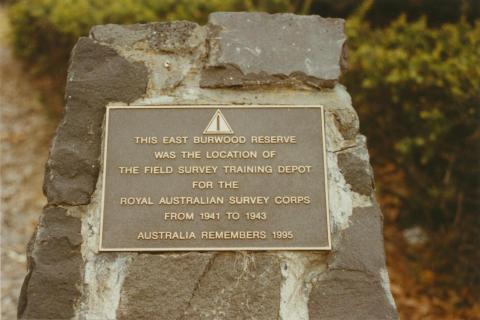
x: 209, y: 172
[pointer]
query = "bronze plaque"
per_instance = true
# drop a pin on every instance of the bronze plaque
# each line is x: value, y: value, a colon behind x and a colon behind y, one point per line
x: 181, y: 178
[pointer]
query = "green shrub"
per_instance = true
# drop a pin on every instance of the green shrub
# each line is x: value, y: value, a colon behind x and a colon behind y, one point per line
x: 418, y: 93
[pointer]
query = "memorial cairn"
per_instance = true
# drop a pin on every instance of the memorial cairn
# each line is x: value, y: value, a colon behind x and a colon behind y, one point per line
x: 209, y: 172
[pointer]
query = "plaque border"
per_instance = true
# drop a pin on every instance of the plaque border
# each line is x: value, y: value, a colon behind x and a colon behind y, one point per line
x: 212, y: 106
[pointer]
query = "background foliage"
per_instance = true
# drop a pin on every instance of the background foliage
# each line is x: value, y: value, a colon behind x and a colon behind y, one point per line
x: 414, y: 78
x: 417, y: 91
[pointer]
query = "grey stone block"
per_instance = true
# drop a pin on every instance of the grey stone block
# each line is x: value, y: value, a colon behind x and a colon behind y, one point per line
x: 353, y: 286
x: 349, y: 295
x: 161, y: 286
x: 97, y: 76
x: 175, y: 37
x: 357, y: 172
x: 51, y: 287
x: 361, y: 245
x: 201, y: 286
x: 238, y: 286
x: 125, y: 36
x: 166, y: 37
x: 248, y: 49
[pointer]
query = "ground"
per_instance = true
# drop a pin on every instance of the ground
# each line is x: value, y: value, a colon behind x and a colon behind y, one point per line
x: 25, y: 132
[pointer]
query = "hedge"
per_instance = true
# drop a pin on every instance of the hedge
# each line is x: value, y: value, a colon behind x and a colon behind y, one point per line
x: 418, y: 93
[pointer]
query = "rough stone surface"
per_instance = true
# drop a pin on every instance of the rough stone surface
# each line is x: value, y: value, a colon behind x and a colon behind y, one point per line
x: 349, y: 295
x: 97, y: 76
x: 238, y: 286
x: 258, y: 48
x: 124, y: 36
x: 167, y: 37
x: 357, y: 172
x: 361, y: 245
x: 51, y: 288
x: 347, y: 123
x: 352, y: 288
x: 201, y: 286
x: 161, y: 286
x: 175, y: 37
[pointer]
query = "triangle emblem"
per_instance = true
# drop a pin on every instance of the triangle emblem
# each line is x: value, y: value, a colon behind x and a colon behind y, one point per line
x: 218, y: 125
